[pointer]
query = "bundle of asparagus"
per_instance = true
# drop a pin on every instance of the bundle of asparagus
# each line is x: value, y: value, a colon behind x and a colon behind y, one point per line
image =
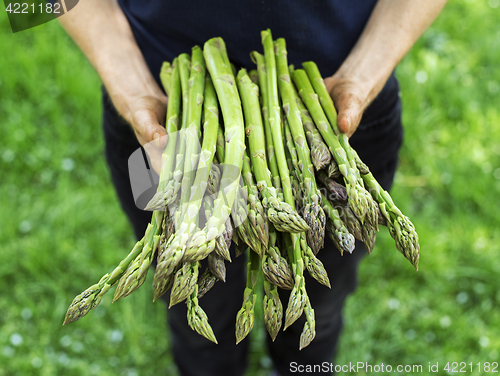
x: 275, y: 192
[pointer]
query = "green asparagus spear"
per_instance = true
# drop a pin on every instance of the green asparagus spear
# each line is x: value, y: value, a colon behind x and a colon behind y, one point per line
x: 334, y: 191
x: 185, y: 282
x: 91, y: 297
x: 355, y: 189
x: 197, y: 318
x: 271, y: 157
x: 298, y: 294
x: 205, y: 282
x: 400, y: 227
x: 246, y: 316
x: 136, y: 273
x: 284, y: 217
x: 166, y: 76
x: 312, y: 211
x: 192, y: 202
x: 171, y: 126
x: 272, y: 308
x: 337, y: 231
x: 224, y: 82
x: 309, y: 331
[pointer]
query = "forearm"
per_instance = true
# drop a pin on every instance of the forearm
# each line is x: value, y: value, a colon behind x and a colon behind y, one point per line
x: 102, y: 32
x: 393, y: 28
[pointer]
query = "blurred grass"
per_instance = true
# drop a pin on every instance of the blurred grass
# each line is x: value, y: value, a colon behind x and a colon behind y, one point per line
x: 62, y: 227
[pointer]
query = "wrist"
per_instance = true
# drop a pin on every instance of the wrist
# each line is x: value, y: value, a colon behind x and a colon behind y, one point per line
x: 130, y: 83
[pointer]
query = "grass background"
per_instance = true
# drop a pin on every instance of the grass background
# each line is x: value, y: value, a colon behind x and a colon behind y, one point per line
x: 61, y: 227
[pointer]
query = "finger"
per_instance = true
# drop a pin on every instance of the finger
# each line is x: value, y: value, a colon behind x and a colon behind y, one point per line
x: 350, y: 111
x: 147, y: 124
x: 154, y: 153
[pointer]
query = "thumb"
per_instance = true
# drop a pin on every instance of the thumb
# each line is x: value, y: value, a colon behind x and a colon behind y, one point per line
x: 350, y: 110
x: 147, y: 125
x: 346, y: 96
x: 148, y: 115
x: 147, y: 118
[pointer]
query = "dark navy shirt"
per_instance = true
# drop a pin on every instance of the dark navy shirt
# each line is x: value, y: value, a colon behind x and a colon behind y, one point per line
x: 320, y: 30
x: 323, y: 31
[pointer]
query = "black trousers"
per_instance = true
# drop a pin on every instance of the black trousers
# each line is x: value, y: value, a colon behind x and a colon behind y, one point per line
x: 377, y: 141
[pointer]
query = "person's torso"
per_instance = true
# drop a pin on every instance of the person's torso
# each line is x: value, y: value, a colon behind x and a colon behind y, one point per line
x: 323, y: 31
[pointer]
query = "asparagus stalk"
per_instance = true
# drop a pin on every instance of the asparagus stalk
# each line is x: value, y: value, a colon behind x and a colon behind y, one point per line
x: 254, y: 76
x: 292, y: 161
x: 217, y: 266
x: 192, y: 136
x: 91, y: 297
x: 275, y: 267
x: 333, y: 170
x: 314, y: 266
x: 320, y: 155
x: 220, y: 143
x: 335, y: 191
x: 272, y: 308
x: 271, y: 157
x: 239, y: 214
x: 185, y: 281
x: 369, y: 237
x: 206, y: 282
x: 323, y: 95
x: 309, y: 331
x: 257, y: 224
x: 355, y: 190
x: 365, y: 233
x: 242, y: 209
x: 372, y: 209
x: 328, y: 107
x: 350, y: 221
x: 274, y: 112
x: 175, y: 183
x: 166, y: 76
x: 224, y: 82
x: 176, y: 248
x: 337, y: 231
x: 311, y: 211
x: 136, y: 273
x: 298, y: 294
x: 284, y: 217
x: 223, y: 242
x: 246, y: 316
x: 400, y: 226
x: 197, y: 318
x: 171, y: 126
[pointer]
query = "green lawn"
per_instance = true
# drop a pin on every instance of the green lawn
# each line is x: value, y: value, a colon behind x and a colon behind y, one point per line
x: 62, y: 227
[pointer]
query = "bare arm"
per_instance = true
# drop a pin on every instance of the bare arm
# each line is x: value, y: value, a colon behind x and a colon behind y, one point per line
x: 102, y: 32
x: 393, y: 28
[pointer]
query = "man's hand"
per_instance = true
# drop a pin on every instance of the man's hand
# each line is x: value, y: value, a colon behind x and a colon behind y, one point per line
x: 350, y: 100
x: 103, y: 33
x: 147, y: 117
x: 391, y: 31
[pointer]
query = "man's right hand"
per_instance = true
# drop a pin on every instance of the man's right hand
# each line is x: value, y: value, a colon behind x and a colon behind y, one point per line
x: 103, y: 33
x: 147, y: 117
